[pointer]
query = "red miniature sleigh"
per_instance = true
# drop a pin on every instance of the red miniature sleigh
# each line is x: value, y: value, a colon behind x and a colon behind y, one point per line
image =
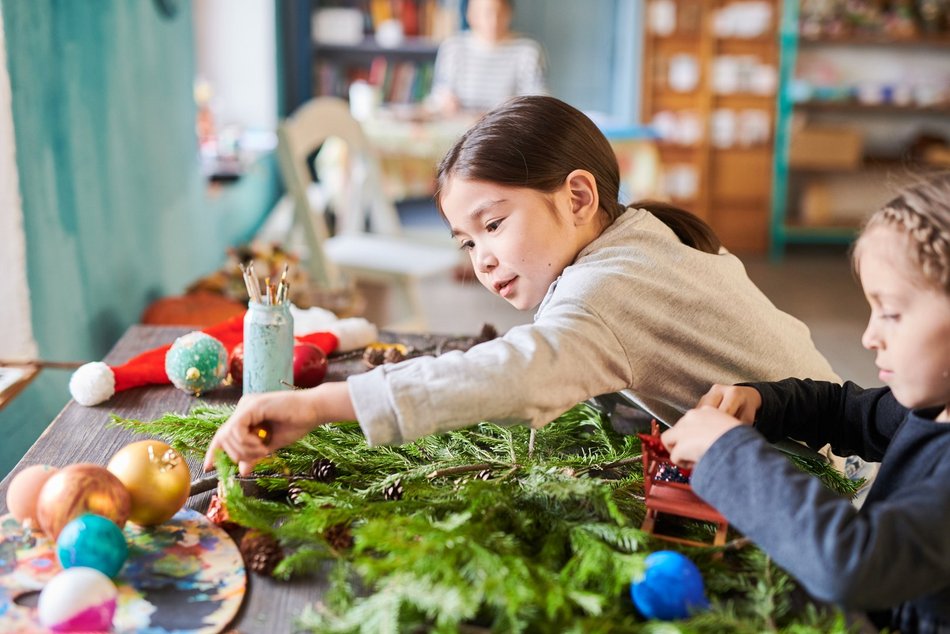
x: 670, y: 497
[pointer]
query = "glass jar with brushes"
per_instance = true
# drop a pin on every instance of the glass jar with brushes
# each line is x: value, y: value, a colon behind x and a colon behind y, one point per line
x: 268, y: 337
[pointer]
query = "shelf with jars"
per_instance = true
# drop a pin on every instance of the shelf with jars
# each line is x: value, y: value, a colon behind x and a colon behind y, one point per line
x: 709, y: 82
x: 863, y: 106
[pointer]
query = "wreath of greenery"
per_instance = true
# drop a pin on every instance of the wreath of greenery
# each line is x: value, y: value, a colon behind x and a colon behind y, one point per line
x: 488, y: 529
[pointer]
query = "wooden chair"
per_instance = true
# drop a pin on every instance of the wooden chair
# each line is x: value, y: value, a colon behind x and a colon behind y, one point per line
x: 367, y: 243
x: 673, y: 498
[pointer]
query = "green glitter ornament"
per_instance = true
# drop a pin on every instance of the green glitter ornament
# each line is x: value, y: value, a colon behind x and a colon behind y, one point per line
x: 196, y: 363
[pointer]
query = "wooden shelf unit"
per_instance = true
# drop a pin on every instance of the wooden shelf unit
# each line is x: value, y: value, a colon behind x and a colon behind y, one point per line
x: 733, y: 183
x: 878, y: 167
x: 402, y: 72
x: 921, y: 41
x: 856, y: 107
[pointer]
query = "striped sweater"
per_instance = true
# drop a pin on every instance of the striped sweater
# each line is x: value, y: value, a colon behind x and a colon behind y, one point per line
x: 483, y: 75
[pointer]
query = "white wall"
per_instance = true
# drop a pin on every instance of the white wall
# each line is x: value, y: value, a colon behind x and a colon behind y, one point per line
x: 236, y: 51
x: 16, y: 332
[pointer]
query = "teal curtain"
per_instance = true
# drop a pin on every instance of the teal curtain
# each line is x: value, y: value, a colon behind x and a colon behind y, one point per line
x: 116, y: 212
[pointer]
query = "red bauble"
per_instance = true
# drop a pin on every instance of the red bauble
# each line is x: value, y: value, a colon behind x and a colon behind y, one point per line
x: 310, y: 365
x: 236, y: 364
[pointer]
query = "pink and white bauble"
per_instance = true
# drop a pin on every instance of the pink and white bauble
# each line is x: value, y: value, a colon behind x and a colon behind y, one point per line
x: 78, y: 600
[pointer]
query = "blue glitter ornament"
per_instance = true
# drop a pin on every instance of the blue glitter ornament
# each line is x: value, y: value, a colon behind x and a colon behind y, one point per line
x: 670, y: 588
x: 92, y: 541
x: 196, y: 363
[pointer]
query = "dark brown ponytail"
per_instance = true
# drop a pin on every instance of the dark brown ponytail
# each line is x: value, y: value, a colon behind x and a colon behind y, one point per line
x: 690, y: 229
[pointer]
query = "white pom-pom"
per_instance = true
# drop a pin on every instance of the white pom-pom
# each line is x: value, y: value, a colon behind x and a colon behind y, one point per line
x: 353, y: 333
x: 309, y: 320
x: 92, y: 383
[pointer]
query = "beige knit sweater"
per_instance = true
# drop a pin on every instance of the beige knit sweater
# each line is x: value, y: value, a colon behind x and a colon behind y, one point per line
x: 637, y: 311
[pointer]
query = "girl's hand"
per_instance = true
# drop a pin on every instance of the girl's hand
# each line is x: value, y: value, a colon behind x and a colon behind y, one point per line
x: 736, y: 400
x: 263, y: 423
x: 690, y: 438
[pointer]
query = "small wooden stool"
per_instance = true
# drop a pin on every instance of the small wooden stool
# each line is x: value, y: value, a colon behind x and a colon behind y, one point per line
x: 673, y: 498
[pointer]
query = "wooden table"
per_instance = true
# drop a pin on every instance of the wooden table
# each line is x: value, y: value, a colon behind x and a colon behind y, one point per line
x: 81, y: 434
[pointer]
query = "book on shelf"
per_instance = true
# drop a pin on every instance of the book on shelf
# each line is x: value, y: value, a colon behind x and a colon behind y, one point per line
x: 377, y: 70
x: 400, y: 81
x: 430, y: 19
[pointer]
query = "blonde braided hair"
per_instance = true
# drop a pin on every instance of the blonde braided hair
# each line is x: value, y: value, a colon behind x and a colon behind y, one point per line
x: 922, y: 213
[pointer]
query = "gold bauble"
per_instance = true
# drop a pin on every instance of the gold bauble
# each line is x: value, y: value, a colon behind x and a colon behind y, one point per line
x: 77, y: 489
x: 157, y: 477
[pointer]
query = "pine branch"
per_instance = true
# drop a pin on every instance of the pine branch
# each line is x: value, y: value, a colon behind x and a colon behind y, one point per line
x: 487, y: 534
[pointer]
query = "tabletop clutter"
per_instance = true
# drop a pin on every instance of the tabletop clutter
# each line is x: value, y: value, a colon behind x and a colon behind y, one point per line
x: 70, y: 536
x: 85, y: 520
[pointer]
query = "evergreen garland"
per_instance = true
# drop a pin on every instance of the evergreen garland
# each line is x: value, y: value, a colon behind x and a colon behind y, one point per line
x: 486, y: 536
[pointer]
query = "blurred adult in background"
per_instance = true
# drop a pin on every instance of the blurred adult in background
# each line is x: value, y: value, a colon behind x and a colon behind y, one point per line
x: 476, y: 70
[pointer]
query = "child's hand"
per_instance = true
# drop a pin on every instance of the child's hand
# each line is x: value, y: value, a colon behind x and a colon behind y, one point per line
x: 283, y: 416
x: 737, y: 400
x: 690, y: 438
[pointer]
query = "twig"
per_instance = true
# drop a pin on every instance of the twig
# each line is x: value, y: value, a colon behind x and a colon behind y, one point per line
x: 39, y: 363
x: 463, y: 469
x: 510, y: 472
x: 619, y: 463
x: 346, y: 356
x: 531, y: 442
x: 768, y: 582
x: 205, y: 482
x: 736, y: 544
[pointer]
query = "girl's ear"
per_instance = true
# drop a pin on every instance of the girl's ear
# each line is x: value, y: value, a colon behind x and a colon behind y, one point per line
x: 583, y: 193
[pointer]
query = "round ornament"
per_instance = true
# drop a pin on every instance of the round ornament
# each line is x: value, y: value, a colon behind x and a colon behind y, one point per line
x: 196, y: 363
x: 77, y: 489
x: 236, y: 364
x: 92, y: 541
x: 157, y: 478
x: 78, y: 600
x: 25, y: 489
x: 670, y: 588
x: 310, y: 365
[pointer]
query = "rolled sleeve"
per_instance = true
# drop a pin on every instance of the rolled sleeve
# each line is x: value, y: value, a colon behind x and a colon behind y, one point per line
x: 374, y: 411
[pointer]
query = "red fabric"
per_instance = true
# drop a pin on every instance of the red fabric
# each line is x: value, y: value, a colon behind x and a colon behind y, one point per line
x: 148, y: 368
x: 326, y: 341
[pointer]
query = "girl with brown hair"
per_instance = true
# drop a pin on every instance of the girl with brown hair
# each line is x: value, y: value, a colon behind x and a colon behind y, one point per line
x: 638, y: 298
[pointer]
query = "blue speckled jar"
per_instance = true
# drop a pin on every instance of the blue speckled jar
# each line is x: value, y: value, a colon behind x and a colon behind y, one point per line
x: 268, y: 348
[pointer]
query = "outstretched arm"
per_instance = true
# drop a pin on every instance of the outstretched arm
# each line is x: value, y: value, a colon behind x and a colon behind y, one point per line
x: 287, y: 416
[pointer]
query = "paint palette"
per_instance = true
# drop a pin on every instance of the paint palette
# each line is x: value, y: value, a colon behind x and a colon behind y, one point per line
x: 184, y: 576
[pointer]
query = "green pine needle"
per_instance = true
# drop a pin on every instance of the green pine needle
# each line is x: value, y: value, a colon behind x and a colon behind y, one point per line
x: 486, y: 534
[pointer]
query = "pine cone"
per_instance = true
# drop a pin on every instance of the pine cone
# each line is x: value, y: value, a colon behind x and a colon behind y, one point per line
x: 339, y: 536
x: 323, y: 470
x: 394, y: 491
x: 261, y: 552
x: 393, y: 355
x: 295, y: 492
x: 373, y: 357
x: 488, y: 333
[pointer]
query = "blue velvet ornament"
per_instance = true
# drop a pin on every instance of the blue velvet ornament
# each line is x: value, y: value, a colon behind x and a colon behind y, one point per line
x: 670, y: 588
x: 92, y: 541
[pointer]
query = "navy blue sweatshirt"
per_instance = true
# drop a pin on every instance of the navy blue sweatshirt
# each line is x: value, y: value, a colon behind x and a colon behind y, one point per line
x: 891, y: 557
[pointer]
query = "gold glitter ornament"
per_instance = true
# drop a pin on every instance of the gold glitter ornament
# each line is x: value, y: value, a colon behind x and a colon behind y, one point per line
x: 157, y: 477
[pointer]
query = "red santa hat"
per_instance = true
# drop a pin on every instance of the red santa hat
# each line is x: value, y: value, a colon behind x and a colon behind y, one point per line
x: 96, y: 382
